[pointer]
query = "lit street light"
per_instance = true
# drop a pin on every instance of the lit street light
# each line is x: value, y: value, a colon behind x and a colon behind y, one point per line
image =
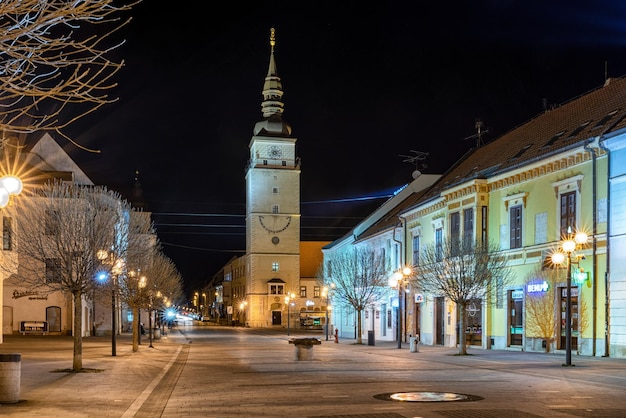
x: 116, y: 269
x: 326, y: 294
x: 568, y: 246
x: 289, y: 301
x: 400, y: 279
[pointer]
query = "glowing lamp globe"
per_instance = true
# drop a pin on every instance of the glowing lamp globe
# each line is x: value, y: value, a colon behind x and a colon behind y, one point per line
x: 12, y: 184
x: 558, y: 258
x: 4, y: 197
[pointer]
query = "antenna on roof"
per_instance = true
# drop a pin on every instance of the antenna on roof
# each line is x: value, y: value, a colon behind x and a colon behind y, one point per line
x: 416, y: 159
x: 479, y: 133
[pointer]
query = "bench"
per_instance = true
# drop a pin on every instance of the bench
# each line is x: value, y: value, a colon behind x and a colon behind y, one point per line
x: 34, y: 327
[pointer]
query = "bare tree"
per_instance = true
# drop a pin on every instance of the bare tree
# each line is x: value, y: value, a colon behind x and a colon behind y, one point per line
x: 540, y: 308
x: 55, y: 66
x: 360, y: 279
x: 462, y: 272
x: 164, y: 283
x: 542, y: 312
x: 62, y: 227
x: 142, y: 243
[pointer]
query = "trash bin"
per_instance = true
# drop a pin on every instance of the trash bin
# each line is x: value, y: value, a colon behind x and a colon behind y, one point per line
x: 370, y: 338
x: 413, y: 344
x: 10, y: 373
x: 156, y: 333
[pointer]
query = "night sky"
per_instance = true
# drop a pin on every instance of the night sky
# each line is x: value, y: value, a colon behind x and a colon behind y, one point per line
x: 364, y: 86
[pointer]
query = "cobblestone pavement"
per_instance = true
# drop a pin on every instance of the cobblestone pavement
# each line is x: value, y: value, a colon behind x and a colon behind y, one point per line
x: 211, y: 371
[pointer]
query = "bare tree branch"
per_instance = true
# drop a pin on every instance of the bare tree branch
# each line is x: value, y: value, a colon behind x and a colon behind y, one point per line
x: 55, y: 63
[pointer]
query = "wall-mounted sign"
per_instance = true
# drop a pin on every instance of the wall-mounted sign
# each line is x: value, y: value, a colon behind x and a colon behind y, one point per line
x: 517, y: 294
x: 419, y: 298
x: 537, y: 287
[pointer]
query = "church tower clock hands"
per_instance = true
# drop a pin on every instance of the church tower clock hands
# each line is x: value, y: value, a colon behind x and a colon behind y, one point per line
x: 272, y: 208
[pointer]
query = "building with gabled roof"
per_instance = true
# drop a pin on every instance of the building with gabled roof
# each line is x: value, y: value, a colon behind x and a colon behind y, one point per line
x: 526, y: 190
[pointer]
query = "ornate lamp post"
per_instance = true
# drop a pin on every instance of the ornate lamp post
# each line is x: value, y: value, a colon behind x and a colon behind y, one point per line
x: 288, y: 300
x: 400, y: 279
x: 568, y: 246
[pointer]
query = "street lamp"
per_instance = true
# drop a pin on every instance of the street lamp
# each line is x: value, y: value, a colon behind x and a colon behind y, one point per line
x: 326, y: 294
x: 9, y: 186
x: 568, y: 246
x: 289, y: 300
x: 400, y: 279
x: 116, y: 269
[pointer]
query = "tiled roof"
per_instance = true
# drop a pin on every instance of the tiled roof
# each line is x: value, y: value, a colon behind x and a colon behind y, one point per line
x: 598, y: 112
x: 571, y: 124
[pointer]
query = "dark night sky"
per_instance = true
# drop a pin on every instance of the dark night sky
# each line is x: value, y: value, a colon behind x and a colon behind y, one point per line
x: 363, y: 85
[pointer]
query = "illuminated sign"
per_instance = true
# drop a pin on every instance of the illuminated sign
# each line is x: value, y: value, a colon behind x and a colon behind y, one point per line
x: 537, y: 287
x: 419, y: 298
x: 580, y: 275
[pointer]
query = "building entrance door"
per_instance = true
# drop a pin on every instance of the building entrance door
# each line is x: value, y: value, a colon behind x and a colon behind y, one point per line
x: 277, y: 318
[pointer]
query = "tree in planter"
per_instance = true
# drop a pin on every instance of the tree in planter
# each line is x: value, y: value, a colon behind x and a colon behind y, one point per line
x: 61, y: 229
x: 462, y: 271
x: 360, y: 280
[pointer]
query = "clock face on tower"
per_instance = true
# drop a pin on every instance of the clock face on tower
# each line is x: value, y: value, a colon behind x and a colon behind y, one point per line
x: 275, y: 152
x: 275, y: 224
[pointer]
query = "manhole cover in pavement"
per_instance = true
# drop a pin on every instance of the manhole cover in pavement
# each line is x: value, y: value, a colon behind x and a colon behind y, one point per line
x: 427, y: 397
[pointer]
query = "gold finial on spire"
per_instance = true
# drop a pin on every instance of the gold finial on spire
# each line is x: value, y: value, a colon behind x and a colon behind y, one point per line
x: 272, y: 38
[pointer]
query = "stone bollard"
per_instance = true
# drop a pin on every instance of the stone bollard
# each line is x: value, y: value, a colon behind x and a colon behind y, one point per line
x: 304, y: 347
x: 10, y: 375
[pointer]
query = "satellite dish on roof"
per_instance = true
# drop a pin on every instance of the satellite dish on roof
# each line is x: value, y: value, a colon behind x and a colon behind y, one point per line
x: 416, y: 174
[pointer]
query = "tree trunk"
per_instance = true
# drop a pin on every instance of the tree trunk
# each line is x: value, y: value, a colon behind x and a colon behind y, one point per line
x: 359, y: 328
x: 462, y: 335
x: 135, y: 328
x: 77, y: 361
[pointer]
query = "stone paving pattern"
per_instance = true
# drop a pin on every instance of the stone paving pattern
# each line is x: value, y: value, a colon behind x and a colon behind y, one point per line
x: 212, y: 371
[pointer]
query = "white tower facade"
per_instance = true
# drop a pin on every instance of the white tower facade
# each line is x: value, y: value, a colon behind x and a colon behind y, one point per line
x: 272, y: 211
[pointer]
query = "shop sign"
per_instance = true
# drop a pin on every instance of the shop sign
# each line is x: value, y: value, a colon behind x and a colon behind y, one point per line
x: 537, y: 287
x: 517, y: 294
x: 419, y: 298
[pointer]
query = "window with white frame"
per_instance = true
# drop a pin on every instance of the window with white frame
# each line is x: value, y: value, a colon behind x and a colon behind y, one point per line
x: 439, y: 244
x: 416, y: 250
x: 277, y: 289
x: 275, y: 266
x: 468, y: 224
x: 568, y: 192
x: 568, y: 212
x: 515, y: 226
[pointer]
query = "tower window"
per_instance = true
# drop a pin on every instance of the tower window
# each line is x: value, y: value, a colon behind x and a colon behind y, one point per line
x: 275, y: 209
x: 275, y: 266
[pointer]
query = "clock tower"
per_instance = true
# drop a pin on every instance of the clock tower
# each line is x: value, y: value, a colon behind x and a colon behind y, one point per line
x: 272, y: 210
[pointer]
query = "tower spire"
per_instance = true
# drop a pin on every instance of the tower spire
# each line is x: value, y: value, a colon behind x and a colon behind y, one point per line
x: 272, y: 106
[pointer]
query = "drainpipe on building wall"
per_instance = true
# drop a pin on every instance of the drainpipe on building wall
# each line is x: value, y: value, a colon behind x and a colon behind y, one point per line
x: 402, y: 244
x: 608, y: 250
x: 594, y: 305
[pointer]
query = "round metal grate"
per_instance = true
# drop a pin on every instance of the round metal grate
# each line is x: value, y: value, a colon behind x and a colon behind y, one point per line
x: 427, y: 397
